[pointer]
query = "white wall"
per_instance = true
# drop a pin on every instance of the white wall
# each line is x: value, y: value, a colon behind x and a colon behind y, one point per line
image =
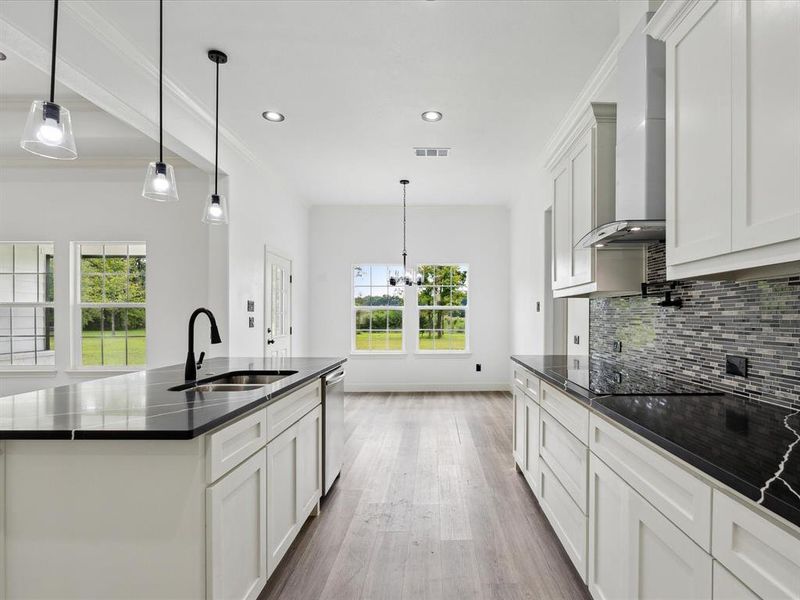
x: 65, y: 204
x: 345, y: 235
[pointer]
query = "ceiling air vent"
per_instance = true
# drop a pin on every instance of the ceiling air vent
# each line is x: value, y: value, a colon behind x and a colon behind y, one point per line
x: 435, y: 152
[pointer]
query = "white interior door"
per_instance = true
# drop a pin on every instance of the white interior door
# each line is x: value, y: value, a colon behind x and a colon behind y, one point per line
x: 278, y: 306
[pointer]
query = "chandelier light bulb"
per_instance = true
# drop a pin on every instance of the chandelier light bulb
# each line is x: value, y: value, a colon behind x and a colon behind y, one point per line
x: 160, y: 183
x: 215, y: 210
x: 50, y: 132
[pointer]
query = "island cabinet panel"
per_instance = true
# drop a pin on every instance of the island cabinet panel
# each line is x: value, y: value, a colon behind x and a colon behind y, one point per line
x: 728, y: 587
x: 566, y: 456
x: 294, y: 485
x: 682, y: 497
x: 531, y: 468
x: 236, y: 541
x: 231, y: 445
x: 518, y: 431
x: 764, y: 556
x: 289, y: 409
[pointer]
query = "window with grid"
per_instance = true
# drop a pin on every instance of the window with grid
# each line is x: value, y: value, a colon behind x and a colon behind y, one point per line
x: 27, y: 335
x: 377, y: 310
x: 111, y: 304
x: 443, y: 304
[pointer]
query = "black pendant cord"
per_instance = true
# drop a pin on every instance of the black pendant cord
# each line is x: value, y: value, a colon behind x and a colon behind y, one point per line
x: 216, y: 136
x: 160, y: 81
x: 53, y: 58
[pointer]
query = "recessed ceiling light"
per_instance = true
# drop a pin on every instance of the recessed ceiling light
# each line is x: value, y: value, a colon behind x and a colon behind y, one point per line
x: 2, y: 56
x: 271, y: 115
x: 431, y: 116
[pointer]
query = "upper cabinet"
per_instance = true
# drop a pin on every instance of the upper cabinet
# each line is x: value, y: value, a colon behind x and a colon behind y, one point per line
x: 733, y: 136
x: 583, y: 176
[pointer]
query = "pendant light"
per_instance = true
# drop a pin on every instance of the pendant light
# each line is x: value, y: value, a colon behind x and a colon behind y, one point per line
x: 48, y: 130
x: 159, y: 181
x: 215, y: 211
x: 408, y: 277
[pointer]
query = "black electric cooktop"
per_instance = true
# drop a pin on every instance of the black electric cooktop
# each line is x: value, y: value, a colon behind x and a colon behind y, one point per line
x: 606, y: 379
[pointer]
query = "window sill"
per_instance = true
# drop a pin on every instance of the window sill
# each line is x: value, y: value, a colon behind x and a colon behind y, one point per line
x: 27, y: 372
x: 442, y: 353
x: 395, y: 354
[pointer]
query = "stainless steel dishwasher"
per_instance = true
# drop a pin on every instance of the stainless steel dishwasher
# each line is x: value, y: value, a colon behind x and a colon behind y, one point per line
x: 333, y: 428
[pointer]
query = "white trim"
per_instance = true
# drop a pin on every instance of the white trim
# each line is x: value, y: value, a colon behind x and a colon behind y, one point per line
x: 442, y: 353
x: 377, y: 354
x: 668, y: 17
x: 93, y: 372
x: 27, y: 372
x: 501, y: 386
x: 572, y: 119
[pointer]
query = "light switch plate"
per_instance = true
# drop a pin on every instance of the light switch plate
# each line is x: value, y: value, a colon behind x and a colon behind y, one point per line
x: 576, y: 339
x: 251, y: 306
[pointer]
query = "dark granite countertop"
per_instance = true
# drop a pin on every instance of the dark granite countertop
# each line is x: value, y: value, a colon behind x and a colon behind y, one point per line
x: 752, y: 447
x: 140, y: 406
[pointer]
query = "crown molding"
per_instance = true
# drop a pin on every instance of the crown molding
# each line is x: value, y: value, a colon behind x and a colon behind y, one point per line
x: 575, y: 119
x: 669, y: 16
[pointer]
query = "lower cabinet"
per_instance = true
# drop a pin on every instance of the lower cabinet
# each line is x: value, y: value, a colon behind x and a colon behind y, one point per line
x: 294, y: 477
x: 531, y: 468
x: 519, y: 428
x: 236, y: 532
x: 635, y: 551
x: 727, y: 587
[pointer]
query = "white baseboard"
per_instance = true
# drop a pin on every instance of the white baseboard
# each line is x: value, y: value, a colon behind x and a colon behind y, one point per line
x: 427, y: 387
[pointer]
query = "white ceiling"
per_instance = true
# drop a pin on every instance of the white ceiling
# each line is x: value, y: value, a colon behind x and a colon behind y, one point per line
x: 100, y: 137
x: 353, y: 78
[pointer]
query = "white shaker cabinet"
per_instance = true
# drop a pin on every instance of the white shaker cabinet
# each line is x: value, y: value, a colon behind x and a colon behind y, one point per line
x: 526, y: 432
x: 733, y: 136
x: 634, y: 550
x: 294, y: 481
x: 583, y: 192
x: 237, y: 531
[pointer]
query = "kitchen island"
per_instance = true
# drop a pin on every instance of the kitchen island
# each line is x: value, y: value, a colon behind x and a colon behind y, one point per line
x: 124, y: 488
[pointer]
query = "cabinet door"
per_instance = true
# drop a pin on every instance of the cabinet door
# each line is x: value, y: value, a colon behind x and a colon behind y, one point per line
x: 582, y: 208
x: 237, y: 532
x: 699, y: 130
x: 309, y: 471
x: 727, y: 587
x: 766, y: 122
x: 562, y: 232
x: 608, y: 506
x: 531, y: 469
x: 664, y: 562
x: 282, y: 498
x: 519, y: 429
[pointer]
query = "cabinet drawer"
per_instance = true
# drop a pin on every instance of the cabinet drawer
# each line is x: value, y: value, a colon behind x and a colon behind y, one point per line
x: 765, y: 557
x: 231, y: 445
x: 526, y: 381
x: 680, y: 496
x: 569, y: 523
x: 566, y: 456
x: 570, y: 413
x: 727, y: 587
x: 285, y: 412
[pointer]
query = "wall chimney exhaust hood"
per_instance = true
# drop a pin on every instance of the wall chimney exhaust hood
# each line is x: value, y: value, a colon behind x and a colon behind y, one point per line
x: 640, y: 158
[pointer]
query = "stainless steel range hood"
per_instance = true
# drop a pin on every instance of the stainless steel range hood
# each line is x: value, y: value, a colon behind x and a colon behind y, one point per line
x: 640, y: 157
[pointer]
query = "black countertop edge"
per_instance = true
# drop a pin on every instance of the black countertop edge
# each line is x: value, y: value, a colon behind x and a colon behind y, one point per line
x: 167, y: 434
x: 770, y: 502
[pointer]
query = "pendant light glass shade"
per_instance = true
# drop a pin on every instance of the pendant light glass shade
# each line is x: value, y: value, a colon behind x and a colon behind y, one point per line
x: 159, y: 183
x: 215, y: 210
x: 48, y: 131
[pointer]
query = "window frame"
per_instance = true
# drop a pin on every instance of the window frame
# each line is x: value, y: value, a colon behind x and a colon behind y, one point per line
x: 466, y: 308
x: 76, y: 325
x: 12, y: 368
x: 354, y: 308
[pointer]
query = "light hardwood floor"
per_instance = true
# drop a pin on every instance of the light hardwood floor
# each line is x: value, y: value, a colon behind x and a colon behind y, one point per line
x: 429, y: 505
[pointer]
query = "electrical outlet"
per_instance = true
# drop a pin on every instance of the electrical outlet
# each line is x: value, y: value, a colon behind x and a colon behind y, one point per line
x: 576, y: 339
x: 617, y: 346
x: 478, y: 367
x: 251, y: 306
x: 736, y: 365
x: 538, y: 306
x: 251, y: 322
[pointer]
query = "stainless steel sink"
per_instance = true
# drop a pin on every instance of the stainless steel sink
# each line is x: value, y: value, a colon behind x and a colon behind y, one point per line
x: 224, y: 387
x: 236, y: 381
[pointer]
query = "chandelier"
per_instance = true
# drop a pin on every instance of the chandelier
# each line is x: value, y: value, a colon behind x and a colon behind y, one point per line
x: 408, y: 277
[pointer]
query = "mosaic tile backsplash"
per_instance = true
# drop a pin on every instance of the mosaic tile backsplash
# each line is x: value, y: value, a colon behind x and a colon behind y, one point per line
x: 756, y: 319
